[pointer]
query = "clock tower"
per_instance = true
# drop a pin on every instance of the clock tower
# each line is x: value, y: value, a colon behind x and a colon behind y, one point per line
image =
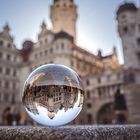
x: 64, y: 16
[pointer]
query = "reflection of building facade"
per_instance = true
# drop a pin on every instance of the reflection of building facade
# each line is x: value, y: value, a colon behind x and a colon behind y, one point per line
x: 51, y: 97
x: 101, y: 75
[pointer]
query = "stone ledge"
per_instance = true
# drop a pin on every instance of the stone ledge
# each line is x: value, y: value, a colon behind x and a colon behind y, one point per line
x: 128, y: 132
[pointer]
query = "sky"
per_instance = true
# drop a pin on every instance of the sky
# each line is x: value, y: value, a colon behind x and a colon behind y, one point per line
x: 96, y: 25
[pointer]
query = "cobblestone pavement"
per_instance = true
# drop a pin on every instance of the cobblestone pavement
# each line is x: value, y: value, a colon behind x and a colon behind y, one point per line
x: 128, y: 132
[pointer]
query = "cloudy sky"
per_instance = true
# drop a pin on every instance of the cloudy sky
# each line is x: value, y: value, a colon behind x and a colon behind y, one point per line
x: 96, y: 26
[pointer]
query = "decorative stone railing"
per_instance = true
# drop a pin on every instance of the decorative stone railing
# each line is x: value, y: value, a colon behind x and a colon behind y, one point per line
x: 128, y: 132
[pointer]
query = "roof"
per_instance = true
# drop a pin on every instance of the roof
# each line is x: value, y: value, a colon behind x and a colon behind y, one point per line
x: 84, y: 51
x: 126, y: 7
x: 26, y: 50
x: 107, y: 56
x: 63, y: 34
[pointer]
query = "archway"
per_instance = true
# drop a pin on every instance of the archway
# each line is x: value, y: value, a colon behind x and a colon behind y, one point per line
x: 106, y: 114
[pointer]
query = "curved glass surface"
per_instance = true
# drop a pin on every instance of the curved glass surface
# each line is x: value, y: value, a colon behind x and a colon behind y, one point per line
x: 53, y: 95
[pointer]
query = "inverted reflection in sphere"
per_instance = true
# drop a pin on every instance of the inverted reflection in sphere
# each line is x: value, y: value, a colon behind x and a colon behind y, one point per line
x: 53, y: 95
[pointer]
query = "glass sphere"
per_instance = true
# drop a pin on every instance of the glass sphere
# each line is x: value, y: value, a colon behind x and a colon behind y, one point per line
x: 53, y: 95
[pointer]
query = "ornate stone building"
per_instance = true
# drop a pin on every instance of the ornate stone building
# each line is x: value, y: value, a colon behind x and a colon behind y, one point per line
x: 101, y: 75
x: 128, y: 17
x: 10, y: 61
x: 58, y: 46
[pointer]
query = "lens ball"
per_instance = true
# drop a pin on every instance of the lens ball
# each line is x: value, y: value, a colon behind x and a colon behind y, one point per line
x: 53, y: 95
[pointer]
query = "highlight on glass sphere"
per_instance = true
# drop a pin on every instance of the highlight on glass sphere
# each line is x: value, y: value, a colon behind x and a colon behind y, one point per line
x: 53, y: 95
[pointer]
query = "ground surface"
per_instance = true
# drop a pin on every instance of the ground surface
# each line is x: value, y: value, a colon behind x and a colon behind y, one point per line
x: 130, y: 132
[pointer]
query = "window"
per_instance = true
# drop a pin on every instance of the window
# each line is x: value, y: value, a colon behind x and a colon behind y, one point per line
x: 46, y: 52
x: 62, y: 46
x: 78, y: 65
x: 8, y: 57
x: 9, y: 45
x: 138, y: 42
x: 6, y: 97
x: 108, y: 77
x: 40, y: 54
x: 139, y: 27
x: 118, y: 76
x: 87, y: 83
x: 14, y: 85
x: 89, y: 119
x: 0, y: 69
x: 72, y: 63
x: 131, y: 77
x: 51, y: 50
x: 138, y: 58
x: 99, y: 80
x: 0, y: 55
x: 15, y: 58
x: 7, y: 84
x: 13, y: 99
x: 89, y: 105
x: 88, y: 94
x: 125, y: 30
x: 133, y: 27
x: 99, y: 93
x: 7, y: 71
x: 57, y: 5
x: 46, y: 40
x: 35, y: 55
x: 123, y: 16
x: 40, y: 42
x: 1, y: 43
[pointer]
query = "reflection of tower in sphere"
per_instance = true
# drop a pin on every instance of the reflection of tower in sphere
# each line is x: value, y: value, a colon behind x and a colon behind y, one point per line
x: 53, y: 95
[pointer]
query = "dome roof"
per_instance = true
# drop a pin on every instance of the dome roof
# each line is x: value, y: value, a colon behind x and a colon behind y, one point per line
x: 126, y: 7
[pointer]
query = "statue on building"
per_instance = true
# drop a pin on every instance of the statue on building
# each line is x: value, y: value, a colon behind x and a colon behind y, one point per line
x: 120, y: 107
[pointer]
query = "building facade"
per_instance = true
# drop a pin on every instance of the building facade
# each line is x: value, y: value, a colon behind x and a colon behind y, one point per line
x: 101, y: 75
x: 10, y: 62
